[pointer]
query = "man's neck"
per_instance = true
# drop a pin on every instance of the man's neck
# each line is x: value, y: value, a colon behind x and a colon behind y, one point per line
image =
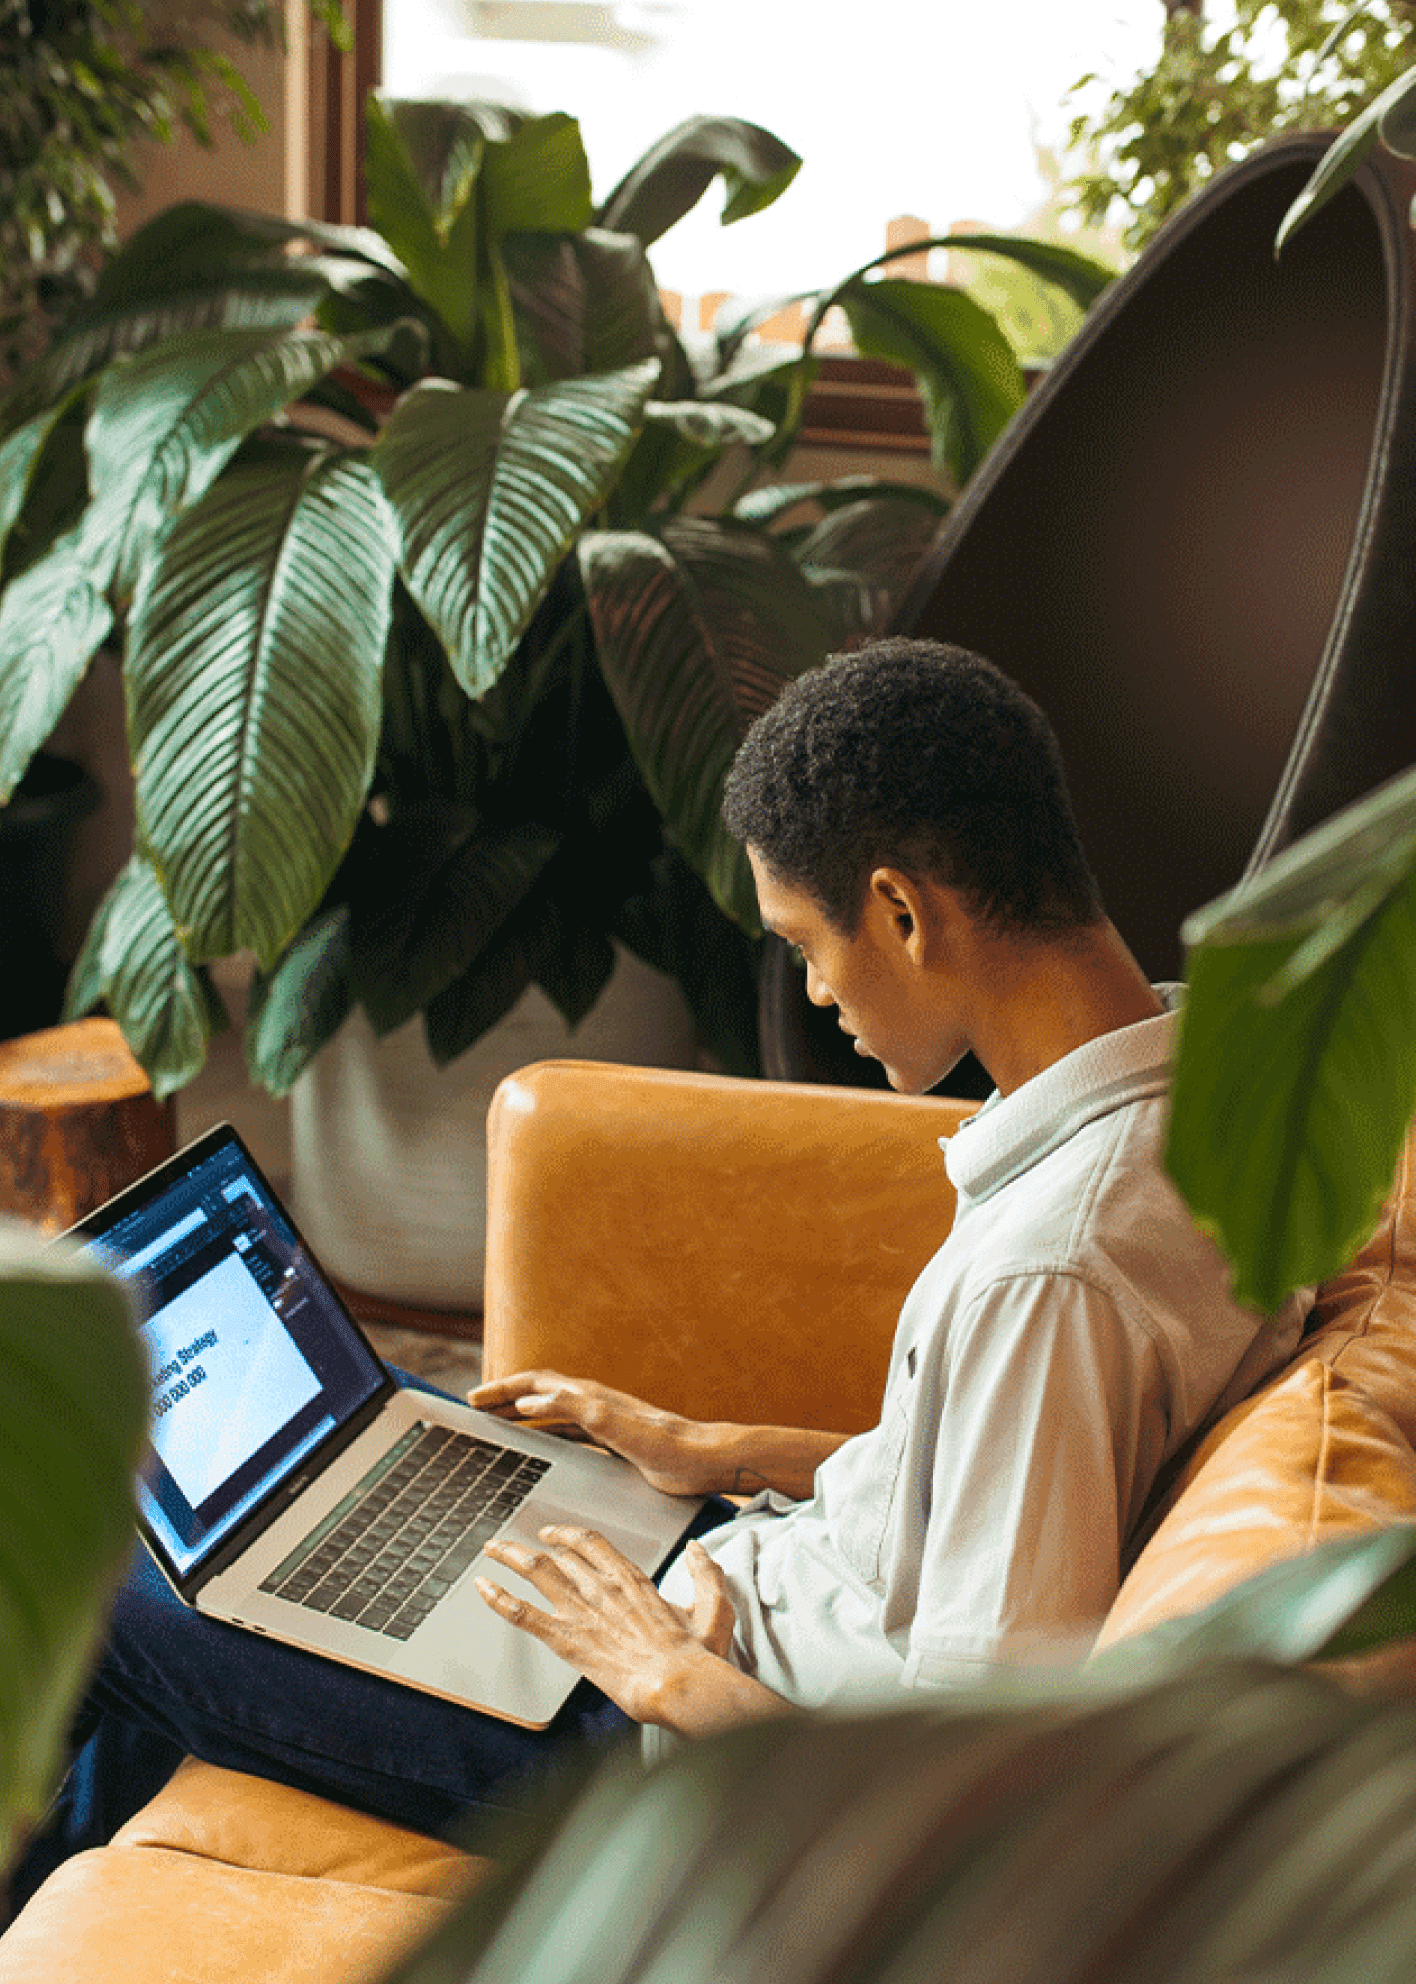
x: 1047, y: 999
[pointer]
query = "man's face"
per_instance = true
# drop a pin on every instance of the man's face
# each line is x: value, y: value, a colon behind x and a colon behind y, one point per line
x: 872, y: 977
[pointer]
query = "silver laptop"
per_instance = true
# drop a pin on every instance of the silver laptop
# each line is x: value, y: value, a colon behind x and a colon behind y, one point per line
x: 292, y: 1487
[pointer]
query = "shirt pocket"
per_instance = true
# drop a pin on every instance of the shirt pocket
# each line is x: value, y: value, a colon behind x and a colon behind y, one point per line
x: 866, y: 1513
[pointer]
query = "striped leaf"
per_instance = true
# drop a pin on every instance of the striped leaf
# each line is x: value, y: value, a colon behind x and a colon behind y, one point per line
x: 52, y: 622
x: 166, y: 423
x: 446, y: 887
x: 255, y: 659
x: 698, y: 630
x: 278, y: 297
x: 18, y: 455
x: 1227, y: 1823
x: 300, y: 1005
x: 490, y: 491
x: 132, y: 960
x: 584, y: 302
x: 864, y: 555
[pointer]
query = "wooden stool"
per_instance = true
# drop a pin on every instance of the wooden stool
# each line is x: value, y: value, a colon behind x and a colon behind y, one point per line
x: 78, y: 1122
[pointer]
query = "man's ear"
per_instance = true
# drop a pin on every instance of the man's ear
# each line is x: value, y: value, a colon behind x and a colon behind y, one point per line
x: 901, y: 908
x: 925, y: 918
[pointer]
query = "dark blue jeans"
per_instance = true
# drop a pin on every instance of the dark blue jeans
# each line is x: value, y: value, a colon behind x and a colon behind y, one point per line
x: 172, y: 1683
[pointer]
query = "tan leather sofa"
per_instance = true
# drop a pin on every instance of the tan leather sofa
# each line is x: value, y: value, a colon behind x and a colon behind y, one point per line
x: 737, y: 1251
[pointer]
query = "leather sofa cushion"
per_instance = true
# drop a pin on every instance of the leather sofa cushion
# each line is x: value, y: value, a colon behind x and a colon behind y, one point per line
x: 1313, y: 1459
x: 171, y: 1917
x: 224, y: 1875
x: 246, y: 1821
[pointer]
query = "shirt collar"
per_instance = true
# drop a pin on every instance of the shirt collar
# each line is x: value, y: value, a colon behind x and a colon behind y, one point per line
x: 1013, y: 1132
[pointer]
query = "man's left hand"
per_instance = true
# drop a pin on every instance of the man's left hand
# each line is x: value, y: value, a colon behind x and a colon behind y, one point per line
x: 659, y: 1662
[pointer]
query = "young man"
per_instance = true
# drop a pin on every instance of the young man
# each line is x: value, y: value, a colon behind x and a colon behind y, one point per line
x: 907, y: 823
x: 906, y: 819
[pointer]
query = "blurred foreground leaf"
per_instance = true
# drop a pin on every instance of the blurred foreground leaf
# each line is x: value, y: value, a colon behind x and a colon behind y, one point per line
x: 73, y: 1411
x: 1295, y: 1077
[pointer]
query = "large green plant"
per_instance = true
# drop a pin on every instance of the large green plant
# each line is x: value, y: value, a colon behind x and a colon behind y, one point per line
x: 1296, y: 1077
x: 438, y: 639
x: 73, y: 1413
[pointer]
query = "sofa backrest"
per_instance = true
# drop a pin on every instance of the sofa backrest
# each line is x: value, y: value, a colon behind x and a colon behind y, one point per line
x: 1325, y: 1447
x: 729, y: 1249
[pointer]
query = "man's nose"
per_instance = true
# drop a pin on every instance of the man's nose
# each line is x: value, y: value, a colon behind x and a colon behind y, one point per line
x: 816, y: 988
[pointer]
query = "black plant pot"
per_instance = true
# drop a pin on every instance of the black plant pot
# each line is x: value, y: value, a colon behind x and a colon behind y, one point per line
x: 36, y: 834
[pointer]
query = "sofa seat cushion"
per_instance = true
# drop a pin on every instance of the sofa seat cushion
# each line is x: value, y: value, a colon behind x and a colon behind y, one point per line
x: 224, y: 1876
x: 1313, y: 1459
x: 245, y: 1821
x: 163, y: 1916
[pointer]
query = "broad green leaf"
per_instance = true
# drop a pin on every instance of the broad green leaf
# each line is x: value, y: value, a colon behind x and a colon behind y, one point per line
x: 411, y: 200
x: 775, y: 499
x: 195, y: 246
x: 132, y: 959
x: 275, y: 298
x: 967, y: 371
x: 538, y: 178
x: 485, y: 993
x: 73, y: 1413
x: 1347, y: 151
x: 490, y: 491
x: 739, y: 316
x: 448, y: 886
x: 254, y: 661
x: 442, y: 144
x: 571, y: 958
x: 698, y: 630
x: 52, y: 488
x: 52, y: 622
x: 674, y: 174
x: 864, y: 555
x: 302, y: 1003
x: 166, y: 423
x: 713, y: 424
x: 18, y: 455
x: 1295, y: 1079
x: 674, y: 925
x: 584, y: 302
x: 682, y: 443
x: 1078, y: 276
x: 1399, y: 120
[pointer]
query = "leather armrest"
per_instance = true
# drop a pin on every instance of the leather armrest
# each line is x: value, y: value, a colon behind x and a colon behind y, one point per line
x: 730, y: 1249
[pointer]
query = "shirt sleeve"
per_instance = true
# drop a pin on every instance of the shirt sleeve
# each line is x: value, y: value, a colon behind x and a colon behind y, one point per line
x: 1049, y: 1405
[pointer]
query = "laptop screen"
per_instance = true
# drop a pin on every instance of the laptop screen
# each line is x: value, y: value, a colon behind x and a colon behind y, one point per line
x: 254, y: 1361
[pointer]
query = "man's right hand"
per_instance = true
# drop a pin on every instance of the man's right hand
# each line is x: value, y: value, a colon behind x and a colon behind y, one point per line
x: 673, y: 1454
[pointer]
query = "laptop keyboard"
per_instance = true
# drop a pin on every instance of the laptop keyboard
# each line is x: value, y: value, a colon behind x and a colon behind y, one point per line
x: 402, y: 1537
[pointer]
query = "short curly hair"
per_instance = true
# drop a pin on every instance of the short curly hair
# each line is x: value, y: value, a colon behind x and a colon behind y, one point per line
x: 911, y: 754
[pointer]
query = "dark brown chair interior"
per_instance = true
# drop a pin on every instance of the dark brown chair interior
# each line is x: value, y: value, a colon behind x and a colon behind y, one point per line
x: 1194, y: 546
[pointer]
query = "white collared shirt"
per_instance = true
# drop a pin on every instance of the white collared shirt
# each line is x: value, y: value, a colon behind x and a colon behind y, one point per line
x: 1071, y: 1332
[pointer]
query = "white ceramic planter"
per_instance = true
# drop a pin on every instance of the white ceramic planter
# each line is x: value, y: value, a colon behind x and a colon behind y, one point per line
x: 388, y: 1151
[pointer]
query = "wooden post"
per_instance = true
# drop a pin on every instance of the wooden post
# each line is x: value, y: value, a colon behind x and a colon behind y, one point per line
x: 78, y: 1122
